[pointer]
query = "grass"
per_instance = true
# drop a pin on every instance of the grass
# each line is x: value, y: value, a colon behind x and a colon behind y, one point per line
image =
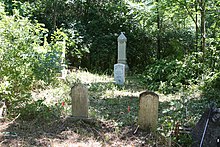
x: 114, y: 110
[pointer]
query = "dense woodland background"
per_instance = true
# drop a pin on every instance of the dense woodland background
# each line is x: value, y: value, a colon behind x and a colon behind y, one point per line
x: 166, y: 30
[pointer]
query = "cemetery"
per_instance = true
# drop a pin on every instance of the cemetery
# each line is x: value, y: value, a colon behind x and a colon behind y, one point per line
x: 102, y: 113
x: 109, y: 73
x: 109, y: 110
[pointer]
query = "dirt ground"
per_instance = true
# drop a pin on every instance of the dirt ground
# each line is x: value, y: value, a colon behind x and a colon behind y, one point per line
x: 68, y: 132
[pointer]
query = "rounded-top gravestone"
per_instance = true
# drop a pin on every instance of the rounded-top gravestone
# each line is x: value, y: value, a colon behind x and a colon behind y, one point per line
x: 148, y: 111
x: 79, y: 95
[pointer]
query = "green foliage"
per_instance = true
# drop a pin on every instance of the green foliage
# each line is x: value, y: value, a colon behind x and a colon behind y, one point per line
x: 25, y: 57
x: 184, y: 111
x: 17, y: 48
x: 92, y: 28
x: 133, y: 19
x: 35, y: 110
x: 48, y: 63
x: 76, y: 47
x: 211, y: 88
x: 38, y: 110
x: 171, y: 76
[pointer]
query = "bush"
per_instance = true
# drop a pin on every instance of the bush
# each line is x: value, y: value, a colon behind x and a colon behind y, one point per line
x: 211, y: 88
x: 25, y: 57
x: 38, y: 110
x: 170, y: 76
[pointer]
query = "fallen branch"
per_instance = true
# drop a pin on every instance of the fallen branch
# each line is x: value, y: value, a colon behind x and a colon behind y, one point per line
x: 135, y: 131
x: 6, y: 125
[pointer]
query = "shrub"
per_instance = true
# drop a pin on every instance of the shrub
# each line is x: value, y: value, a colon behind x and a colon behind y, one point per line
x: 211, y: 88
x: 25, y: 57
x: 170, y: 76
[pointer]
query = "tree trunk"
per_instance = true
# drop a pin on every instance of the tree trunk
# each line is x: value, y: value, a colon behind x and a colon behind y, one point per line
x: 203, y: 37
x: 196, y: 22
x: 159, y: 31
x: 54, y: 14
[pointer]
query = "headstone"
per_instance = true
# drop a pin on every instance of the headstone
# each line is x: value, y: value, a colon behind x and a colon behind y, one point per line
x: 122, y: 50
x: 63, y: 65
x: 148, y: 111
x: 79, y: 95
x: 206, y: 132
x: 119, y: 73
x: 63, y: 71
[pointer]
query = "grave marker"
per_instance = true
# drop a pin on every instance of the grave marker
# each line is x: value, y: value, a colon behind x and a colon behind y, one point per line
x: 122, y: 50
x: 119, y: 73
x: 62, y: 44
x: 79, y: 95
x: 148, y: 111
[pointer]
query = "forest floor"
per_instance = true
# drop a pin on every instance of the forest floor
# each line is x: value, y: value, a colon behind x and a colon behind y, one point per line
x: 110, y: 123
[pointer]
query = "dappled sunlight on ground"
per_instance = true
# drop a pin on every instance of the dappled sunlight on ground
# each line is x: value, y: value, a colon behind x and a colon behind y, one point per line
x: 119, y: 93
x: 70, y: 143
x: 87, y: 77
x: 52, y: 95
x: 114, y: 109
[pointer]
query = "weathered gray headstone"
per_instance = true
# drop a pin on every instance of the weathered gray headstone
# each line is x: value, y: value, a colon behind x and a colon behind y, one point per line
x: 62, y: 44
x: 119, y: 73
x: 122, y: 50
x: 79, y: 95
x: 148, y: 111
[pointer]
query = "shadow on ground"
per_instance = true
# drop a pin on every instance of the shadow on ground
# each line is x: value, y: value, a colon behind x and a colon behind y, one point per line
x: 114, y: 121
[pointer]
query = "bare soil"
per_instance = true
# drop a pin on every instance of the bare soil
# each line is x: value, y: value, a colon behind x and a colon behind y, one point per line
x: 69, y: 132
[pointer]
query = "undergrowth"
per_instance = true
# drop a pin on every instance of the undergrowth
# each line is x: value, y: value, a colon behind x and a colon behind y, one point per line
x: 119, y: 104
x: 168, y: 76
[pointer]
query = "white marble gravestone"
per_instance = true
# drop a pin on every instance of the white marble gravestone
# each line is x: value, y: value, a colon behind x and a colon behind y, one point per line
x: 63, y: 65
x: 119, y: 73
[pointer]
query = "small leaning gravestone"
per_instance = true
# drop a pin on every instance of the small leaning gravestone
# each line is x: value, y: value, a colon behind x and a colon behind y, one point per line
x: 148, y: 111
x: 79, y: 95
